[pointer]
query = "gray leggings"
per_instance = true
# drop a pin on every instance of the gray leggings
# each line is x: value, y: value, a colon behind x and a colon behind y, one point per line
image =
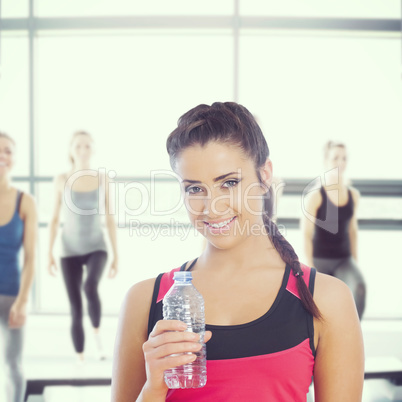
x: 11, y: 341
x: 347, y: 271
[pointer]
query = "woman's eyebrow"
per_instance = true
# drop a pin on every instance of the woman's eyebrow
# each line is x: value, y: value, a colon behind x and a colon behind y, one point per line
x: 191, y: 181
x: 215, y: 179
x: 224, y: 175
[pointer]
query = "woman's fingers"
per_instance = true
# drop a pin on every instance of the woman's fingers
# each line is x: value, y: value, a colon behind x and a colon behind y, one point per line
x: 16, y: 318
x: 170, y: 345
x: 174, y: 348
x: 51, y: 270
x: 11, y: 318
x: 173, y: 331
x: 169, y: 342
x: 175, y: 360
x: 167, y: 325
x: 112, y: 272
x: 52, y: 267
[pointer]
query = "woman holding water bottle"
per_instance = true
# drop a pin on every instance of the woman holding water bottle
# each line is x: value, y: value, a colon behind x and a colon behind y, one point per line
x: 271, y: 321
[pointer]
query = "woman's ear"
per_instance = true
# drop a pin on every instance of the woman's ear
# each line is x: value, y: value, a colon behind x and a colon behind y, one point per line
x: 266, y: 173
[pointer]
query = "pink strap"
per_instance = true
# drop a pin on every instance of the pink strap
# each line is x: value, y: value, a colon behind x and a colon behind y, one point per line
x: 292, y: 281
x: 166, y: 283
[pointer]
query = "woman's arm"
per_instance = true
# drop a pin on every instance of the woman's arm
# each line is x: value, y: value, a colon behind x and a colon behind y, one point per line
x: 139, y: 361
x: 339, y: 363
x: 128, y: 376
x: 353, y: 228
x: 54, y: 223
x: 17, y: 316
x: 311, y: 204
x: 111, y: 228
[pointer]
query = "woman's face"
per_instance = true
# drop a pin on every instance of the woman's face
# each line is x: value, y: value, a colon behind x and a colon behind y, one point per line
x: 337, y: 158
x: 7, y: 150
x: 223, y: 196
x: 81, y: 148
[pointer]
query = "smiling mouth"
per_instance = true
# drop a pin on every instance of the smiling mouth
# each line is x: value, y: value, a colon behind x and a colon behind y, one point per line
x: 220, y: 224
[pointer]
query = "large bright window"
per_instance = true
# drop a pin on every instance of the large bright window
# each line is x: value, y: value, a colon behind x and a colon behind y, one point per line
x: 14, y: 8
x: 319, y: 8
x: 127, y: 90
x: 306, y: 90
x: 14, y: 96
x: 51, y: 8
x: 126, y: 70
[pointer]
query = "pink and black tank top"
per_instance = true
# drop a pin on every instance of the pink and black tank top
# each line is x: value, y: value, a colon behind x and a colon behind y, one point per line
x: 268, y: 359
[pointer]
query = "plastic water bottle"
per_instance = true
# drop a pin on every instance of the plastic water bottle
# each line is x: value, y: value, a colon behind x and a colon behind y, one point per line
x: 183, y: 302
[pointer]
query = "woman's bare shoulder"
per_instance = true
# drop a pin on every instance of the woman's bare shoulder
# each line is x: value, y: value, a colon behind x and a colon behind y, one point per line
x: 28, y: 200
x: 134, y: 311
x: 141, y: 290
x: 333, y: 298
x: 312, y: 201
x: 339, y: 362
x: 355, y: 194
x: 28, y: 205
x: 60, y: 180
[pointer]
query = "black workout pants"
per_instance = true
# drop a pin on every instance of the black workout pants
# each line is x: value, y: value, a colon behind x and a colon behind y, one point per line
x: 73, y: 268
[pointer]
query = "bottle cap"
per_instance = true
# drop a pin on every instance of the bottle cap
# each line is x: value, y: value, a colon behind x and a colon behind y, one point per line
x: 183, y: 276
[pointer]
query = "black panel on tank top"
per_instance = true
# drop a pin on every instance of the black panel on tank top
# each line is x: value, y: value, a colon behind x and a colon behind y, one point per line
x: 285, y: 325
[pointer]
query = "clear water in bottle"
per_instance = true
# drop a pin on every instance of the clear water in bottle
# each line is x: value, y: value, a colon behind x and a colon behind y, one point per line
x: 183, y: 302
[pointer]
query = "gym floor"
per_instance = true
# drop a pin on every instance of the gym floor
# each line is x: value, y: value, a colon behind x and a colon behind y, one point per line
x: 49, y: 354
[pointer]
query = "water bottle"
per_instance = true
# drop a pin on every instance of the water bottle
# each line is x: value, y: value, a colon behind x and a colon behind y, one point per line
x: 183, y: 302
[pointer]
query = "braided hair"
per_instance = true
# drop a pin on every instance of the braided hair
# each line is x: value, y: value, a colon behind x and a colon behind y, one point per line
x: 231, y: 123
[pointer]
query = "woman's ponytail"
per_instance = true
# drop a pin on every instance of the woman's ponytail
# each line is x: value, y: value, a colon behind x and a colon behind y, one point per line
x: 288, y: 255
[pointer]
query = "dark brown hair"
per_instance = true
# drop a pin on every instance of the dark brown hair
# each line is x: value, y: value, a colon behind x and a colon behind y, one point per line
x: 232, y: 124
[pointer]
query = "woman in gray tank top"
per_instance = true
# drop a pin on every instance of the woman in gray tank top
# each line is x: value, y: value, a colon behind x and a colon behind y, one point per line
x: 82, y: 196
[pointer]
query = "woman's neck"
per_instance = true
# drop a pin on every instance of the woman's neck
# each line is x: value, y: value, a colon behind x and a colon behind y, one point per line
x: 5, y: 184
x: 251, y: 252
x: 333, y: 182
x: 80, y: 166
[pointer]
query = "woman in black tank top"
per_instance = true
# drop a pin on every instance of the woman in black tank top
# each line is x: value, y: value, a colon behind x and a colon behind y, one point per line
x: 330, y: 226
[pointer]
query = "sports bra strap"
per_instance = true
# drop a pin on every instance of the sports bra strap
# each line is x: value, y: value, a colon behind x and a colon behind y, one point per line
x: 183, y: 267
x: 19, y: 198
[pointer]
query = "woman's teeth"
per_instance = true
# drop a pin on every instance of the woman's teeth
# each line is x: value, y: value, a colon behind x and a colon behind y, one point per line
x: 221, y: 224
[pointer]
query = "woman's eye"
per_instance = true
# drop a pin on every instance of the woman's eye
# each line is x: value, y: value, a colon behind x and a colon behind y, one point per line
x: 230, y: 183
x: 193, y: 190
